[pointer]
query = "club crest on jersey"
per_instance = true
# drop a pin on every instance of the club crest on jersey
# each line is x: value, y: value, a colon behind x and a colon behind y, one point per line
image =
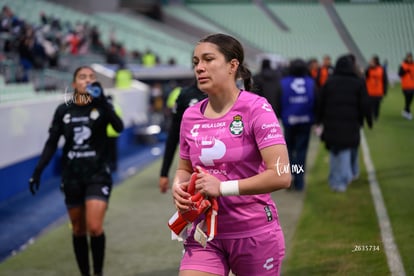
x: 66, y: 118
x: 236, y: 127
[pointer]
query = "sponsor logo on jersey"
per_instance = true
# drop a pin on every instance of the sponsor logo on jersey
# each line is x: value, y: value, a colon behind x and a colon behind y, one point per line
x: 298, y: 85
x: 81, y: 154
x: 194, y: 130
x: 212, y: 149
x: 105, y: 190
x: 269, y: 264
x: 81, y: 119
x: 271, y: 136
x: 66, y: 118
x: 266, y: 107
x: 268, y: 213
x: 82, y: 133
x: 271, y: 125
x: 236, y: 127
x: 214, y: 125
x: 193, y: 102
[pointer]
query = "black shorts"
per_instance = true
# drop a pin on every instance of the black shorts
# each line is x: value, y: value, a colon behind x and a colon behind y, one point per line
x: 78, y: 190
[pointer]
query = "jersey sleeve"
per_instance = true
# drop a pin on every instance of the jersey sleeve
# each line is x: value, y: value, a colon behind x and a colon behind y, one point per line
x: 265, y: 125
x: 171, y: 144
x: 113, y: 118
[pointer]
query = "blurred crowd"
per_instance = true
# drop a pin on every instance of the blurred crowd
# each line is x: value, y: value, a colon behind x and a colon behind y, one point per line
x: 41, y: 45
x: 335, y: 100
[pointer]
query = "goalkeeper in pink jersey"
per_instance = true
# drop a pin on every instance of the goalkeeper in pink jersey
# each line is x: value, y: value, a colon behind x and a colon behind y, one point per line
x: 235, y: 137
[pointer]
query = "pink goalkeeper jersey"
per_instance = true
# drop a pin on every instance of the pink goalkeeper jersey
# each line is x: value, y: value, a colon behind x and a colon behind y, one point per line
x: 228, y: 148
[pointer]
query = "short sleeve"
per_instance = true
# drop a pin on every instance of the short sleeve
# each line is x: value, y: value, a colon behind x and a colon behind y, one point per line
x: 265, y: 125
x: 55, y: 128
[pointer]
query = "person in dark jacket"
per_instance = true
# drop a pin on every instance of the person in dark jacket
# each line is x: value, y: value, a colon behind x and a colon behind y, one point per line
x: 344, y: 106
x: 267, y: 83
x: 188, y: 96
x: 297, y: 106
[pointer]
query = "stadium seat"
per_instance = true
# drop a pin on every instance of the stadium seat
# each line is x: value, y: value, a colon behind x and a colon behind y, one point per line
x: 383, y: 29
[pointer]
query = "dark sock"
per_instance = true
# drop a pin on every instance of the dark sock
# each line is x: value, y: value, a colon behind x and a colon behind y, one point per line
x: 98, y: 253
x: 80, y: 246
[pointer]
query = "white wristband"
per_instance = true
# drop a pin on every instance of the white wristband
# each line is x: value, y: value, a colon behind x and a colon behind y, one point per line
x: 229, y: 188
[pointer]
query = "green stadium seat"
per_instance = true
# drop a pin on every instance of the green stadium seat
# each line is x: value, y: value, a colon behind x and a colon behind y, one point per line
x: 311, y: 33
x: 384, y: 29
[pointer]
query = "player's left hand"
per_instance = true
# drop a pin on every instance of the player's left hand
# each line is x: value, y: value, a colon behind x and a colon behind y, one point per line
x: 98, y: 95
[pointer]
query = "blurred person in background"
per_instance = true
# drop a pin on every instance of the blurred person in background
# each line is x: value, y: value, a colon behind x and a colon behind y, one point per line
x: 358, y: 70
x: 97, y: 46
x: 344, y: 107
x: 267, y: 83
x: 406, y: 73
x: 32, y: 54
x: 149, y: 59
x: 73, y: 42
x: 157, y: 105
x: 297, y: 107
x: 9, y: 22
x: 188, y: 96
x: 113, y: 136
x: 123, y: 77
x: 313, y: 68
x: 86, y: 177
x: 113, y: 55
x: 376, y: 80
x: 325, y: 71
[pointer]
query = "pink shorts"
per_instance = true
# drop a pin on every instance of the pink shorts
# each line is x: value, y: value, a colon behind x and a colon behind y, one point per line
x: 259, y: 255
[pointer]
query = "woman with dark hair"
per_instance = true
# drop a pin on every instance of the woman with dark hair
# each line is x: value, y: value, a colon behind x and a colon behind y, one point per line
x: 86, y: 178
x: 234, y: 141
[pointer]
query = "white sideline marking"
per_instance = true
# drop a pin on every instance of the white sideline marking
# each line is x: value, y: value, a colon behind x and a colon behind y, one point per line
x: 391, y: 249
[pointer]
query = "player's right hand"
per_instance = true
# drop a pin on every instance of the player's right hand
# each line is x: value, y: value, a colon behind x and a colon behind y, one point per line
x: 181, y: 219
x: 181, y: 197
x: 34, y: 183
